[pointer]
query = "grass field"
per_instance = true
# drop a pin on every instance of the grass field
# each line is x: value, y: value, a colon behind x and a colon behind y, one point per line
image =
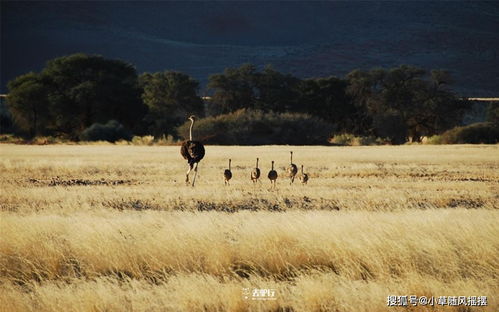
x: 114, y: 228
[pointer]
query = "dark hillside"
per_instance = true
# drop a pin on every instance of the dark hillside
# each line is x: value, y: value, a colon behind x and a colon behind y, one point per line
x: 303, y: 38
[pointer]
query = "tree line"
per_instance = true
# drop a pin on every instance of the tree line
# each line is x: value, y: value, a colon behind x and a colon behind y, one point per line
x: 76, y: 92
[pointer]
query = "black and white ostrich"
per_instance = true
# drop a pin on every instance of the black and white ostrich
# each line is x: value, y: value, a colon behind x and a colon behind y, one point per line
x: 193, y: 151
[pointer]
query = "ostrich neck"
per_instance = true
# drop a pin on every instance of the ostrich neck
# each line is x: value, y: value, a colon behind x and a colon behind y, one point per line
x: 257, y: 162
x: 291, y: 157
x: 190, y: 130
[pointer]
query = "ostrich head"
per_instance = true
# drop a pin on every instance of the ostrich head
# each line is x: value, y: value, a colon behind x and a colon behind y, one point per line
x: 192, y: 118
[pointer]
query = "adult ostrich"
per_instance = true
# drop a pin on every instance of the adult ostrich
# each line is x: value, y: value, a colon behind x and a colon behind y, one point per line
x: 193, y: 151
x: 292, y: 169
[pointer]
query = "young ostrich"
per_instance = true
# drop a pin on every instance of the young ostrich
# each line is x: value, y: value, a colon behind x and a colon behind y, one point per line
x: 292, y: 169
x: 193, y: 151
x: 304, y: 176
x: 227, y: 174
x: 255, y: 174
x: 272, y: 175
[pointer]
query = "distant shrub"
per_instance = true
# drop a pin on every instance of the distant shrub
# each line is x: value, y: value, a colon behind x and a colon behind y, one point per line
x: 98, y: 142
x: 434, y: 139
x: 38, y: 140
x: 352, y: 140
x: 10, y: 138
x: 122, y: 142
x: 112, y: 131
x: 480, y: 132
x: 343, y: 139
x: 166, y: 140
x: 254, y: 127
x: 44, y: 140
x: 150, y: 140
x: 364, y: 140
x: 143, y: 140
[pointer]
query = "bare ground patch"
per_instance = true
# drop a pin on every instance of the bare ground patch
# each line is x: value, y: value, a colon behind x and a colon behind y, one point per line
x: 77, y: 182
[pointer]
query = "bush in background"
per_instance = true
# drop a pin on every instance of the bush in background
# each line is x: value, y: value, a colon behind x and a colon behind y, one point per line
x: 11, y: 139
x: 432, y: 140
x: 39, y: 140
x: 112, y: 131
x: 150, y: 140
x: 45, y: 140
x: 480, y: 132
x: 348, y: 139
x: 255, y: 127
x: 143, y: 140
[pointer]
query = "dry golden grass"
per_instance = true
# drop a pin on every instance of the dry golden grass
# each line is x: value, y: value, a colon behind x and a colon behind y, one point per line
x: 112, y: 228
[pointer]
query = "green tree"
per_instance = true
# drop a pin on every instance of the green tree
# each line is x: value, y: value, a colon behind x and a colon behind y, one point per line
x: 391, y: 125
x: 85, y: 89
x: 6, y: 123
x: 234, y: 89
x: 275, y: 91
x: 28, y: 104
x: 426, y: 106
x: 364, y: 89
x: 170, y: 98
x: 493, y: 112
x: 244, y: 87
x: 327, y: 98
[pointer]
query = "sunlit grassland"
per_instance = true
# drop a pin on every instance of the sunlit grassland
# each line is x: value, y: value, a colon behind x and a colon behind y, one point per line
x: 111, y: 228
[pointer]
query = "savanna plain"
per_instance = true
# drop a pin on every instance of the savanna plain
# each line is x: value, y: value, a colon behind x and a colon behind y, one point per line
x: 115, y: 228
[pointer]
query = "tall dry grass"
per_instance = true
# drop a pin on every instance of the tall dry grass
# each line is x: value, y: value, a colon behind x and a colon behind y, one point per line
x: 113, y: 228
